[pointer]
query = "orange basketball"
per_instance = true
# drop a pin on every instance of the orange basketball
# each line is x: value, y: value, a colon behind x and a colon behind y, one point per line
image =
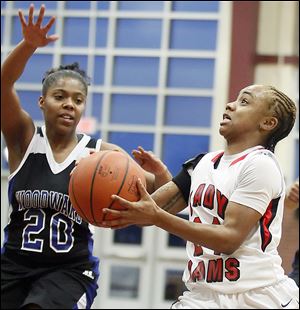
x: 99, y: 176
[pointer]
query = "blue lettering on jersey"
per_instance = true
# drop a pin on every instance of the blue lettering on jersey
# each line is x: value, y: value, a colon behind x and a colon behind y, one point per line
x: 44, y: 199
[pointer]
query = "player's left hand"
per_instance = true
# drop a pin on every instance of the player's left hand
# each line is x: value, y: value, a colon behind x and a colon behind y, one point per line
x: 143, y: 212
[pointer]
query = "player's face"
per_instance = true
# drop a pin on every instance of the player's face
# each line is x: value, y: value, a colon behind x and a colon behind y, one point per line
x: 64, y: 104
x: 242, y: 118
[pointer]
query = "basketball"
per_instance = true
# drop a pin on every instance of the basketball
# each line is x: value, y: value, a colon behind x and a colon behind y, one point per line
x: 99, y: 176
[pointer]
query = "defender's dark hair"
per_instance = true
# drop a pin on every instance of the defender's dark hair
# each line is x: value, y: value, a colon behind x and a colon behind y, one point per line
x: 71, y: 70
x: 284, y: 109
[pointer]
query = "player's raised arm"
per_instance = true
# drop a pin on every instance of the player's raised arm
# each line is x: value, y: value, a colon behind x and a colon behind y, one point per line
x: 16, y: 125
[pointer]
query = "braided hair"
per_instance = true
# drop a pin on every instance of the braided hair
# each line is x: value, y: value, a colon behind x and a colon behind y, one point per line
x: 284, y: 109
x: 71, y: 70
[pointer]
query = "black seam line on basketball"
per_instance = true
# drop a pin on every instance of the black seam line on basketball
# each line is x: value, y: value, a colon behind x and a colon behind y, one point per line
x: 121, y: 186
x: 72, y: 178
x: 92, y: 186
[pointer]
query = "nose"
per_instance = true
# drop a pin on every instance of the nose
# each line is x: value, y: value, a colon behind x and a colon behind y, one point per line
x: 230, y: 106
x: 68, y: 103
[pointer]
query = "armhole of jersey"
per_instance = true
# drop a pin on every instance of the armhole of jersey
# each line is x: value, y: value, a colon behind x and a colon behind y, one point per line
x: 29, y: 148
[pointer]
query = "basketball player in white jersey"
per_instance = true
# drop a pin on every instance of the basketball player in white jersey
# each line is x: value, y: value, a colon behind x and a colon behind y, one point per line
x: 235, y: 202
x: 47, y: 256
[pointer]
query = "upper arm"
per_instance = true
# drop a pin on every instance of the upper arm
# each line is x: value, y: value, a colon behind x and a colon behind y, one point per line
x: 16, y: 124
x: 238, y: 222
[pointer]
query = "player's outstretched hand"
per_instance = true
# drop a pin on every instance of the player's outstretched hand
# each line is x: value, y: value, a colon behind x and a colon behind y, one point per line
x: 35, y: 34
x: 143, y: 212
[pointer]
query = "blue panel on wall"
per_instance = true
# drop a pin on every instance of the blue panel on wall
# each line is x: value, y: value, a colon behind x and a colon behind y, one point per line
x: 101, y: 32
x: 78, y: 5
x: 141, y: 5
x: 97, y: 107
x: 36, y: 67
x: 136, y: 71
x: 16, y: 31
x: 196, y: 6
x: 29, y: 100
x: 179, y: 148
x: 37, y: 4
x: 191, y: 73
x: 69, y: 59
x: 133, y: 109
x: 99, y: 69
x: 138, y: 33
x: 76, y: 31
x: 188, y: 111
x: 193, y: 34
x: 103, y: 5
x: 130, y: 141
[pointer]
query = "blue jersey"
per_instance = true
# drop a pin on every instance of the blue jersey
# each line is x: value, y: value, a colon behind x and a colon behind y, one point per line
x: 43, y: 226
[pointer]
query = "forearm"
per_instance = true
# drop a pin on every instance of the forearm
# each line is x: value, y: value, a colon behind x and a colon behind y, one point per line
x: 215, y: 237
x: 162, y: 178
x: 14, y: 64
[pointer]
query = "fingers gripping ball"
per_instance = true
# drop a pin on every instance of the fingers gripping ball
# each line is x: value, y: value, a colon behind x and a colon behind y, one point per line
x: 99, y: 176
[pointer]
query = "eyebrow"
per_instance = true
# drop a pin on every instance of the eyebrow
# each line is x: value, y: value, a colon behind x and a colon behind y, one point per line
x: 247, y: 93
x: 64, y: 91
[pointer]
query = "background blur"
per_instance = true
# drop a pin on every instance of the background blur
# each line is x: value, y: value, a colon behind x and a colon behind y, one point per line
x: 162, y: 72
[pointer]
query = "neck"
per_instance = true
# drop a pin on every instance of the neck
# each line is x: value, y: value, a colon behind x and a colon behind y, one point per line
x: 235, y: 148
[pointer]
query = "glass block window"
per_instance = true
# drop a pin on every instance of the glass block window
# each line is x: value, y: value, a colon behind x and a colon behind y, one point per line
x: 136, y: 71
x: 141, y: 5
x: 36, y: 67
x: 174, y: 287
x: 78, y: 5
x: 30, y: 103
x: 97, y: 102
x: 124, y: 282
x: 179, y: 148
x: 195, y: 6
x: 142, y: 107
x: 129, y: 141
x: 101, y: 32
x: 191, y: 73
x: 103, y: 5
x: 194, y: 34
x: 129, y: 235
x: 99, y: 70
x: 37, y: 4
x: 74, y: 26
x: 138, y: 33
x: 188, y: 111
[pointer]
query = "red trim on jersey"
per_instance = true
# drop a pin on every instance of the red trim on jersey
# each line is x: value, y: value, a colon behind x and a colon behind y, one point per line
x: 243, y: 157
x: 217, y: 157
x: 266, y: 221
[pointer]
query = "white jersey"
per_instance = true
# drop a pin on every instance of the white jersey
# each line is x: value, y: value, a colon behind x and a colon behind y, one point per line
x: 254, y: 179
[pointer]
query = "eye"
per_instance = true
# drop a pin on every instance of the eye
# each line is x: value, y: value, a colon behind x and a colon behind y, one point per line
x: 58, y: 97
x: 79, y: 101
x: 245, y: 101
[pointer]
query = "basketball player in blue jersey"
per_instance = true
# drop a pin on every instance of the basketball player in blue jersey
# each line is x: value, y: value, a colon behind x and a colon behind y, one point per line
x: 47, y: 257
x: 235, y: 200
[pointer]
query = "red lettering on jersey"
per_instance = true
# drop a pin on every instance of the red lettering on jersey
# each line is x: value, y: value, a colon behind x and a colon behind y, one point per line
x: 222, y: 204
x: 232, y: 271
x: 198, y: 195
x: 199, y: 272
x: 215, y: 270
x: 208, y: 201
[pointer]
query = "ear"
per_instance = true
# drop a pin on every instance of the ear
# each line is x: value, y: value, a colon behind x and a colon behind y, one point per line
x: 41, y: 102
x: 268, y: 123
